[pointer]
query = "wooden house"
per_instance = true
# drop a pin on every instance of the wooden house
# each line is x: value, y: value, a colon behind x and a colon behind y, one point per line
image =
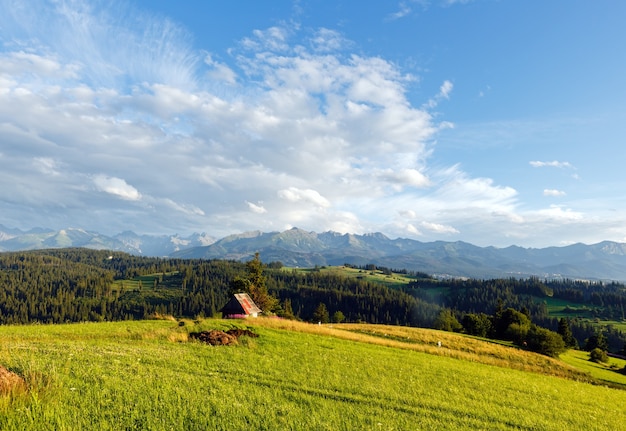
x: 240, y: 306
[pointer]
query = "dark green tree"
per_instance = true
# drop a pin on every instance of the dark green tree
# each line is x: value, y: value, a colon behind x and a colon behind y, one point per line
x: 255, y: 285
x: 239, y: 285
x: 447, y: 321
x: 544, y: 341
x: 502, y: 320
x: 286, y: 310
x: 338, y: 317
x: 565, y: 331
x: 321, y: 314
x: 477, y: 324
x: 597, y: 341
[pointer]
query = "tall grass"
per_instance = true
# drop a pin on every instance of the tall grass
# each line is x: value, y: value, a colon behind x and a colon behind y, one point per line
x: 149, y: 376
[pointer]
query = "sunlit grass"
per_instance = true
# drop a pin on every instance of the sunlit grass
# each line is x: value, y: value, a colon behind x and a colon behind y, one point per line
x: 148, y: 376
x: 373, y: 276
x: 608, y: 373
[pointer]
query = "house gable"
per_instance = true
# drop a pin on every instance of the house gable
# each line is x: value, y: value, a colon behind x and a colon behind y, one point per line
x: 240, y: 305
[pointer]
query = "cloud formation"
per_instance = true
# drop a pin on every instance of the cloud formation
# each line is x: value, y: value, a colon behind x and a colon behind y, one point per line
x: 552, y: 164
x: 553, y: 192
x: 117, y: 187
x: 111, y: 120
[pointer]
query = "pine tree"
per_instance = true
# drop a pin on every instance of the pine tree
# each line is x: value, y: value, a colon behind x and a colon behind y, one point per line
x: 565, y: 332
x: 256, y: 286
x: 320, y: 314
x: 287, y: 310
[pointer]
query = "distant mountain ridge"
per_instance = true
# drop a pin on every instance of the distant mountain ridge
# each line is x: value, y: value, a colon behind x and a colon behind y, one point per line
x: 299, y: 248
x: 296, y: 247
x: 129, y: 242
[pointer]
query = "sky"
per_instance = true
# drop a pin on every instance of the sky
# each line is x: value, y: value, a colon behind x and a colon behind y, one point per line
x: 494, y: 122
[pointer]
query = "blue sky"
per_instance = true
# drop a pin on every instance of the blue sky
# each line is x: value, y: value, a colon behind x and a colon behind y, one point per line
x: 486, y: 121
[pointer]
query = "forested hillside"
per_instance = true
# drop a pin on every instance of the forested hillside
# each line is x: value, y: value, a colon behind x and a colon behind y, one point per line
x: 53, y: 286
x: 72, y: 285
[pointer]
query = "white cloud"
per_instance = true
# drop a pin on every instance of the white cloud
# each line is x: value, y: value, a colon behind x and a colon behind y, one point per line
x: 453, y: 2
x: 109, y: 45
x: 184, y: 208
x: 445, y: 89
x: 21, y: 63
x: 405, y: 177
x: 46, y: 165
x: 444, y: 94
x: 553, y: 192
x: 558, y: 213
x: 327, y: 40
x: 552, y: 164
x: 403, y: 10
x: 413, y: 230
x: 258, y: 209
x: 117, y: 187
x: 439, y: 228
x: 274, y: 39
x: 293, y: 194
x: 220, y: 71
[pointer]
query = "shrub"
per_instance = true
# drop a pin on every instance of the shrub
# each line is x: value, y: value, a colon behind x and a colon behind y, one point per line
x: 598, y: 355
x: 338, y: 317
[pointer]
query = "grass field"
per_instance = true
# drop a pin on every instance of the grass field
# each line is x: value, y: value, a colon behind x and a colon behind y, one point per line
x: 148, y: 375
x: 603, y: 372
x: 393, y: 280
x: 170, y: 280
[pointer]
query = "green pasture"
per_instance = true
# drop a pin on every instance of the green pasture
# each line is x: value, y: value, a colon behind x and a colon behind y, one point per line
x: 393, y: 280
x: 562, y: 308
x: 608, y: 373
x: 169, y: 280
x: 148, y: 375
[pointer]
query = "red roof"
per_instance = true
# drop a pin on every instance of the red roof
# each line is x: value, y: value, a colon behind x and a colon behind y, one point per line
x: 241, y: 303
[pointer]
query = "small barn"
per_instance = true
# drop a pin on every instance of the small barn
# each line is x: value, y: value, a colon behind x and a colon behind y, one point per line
x: 240, y: 306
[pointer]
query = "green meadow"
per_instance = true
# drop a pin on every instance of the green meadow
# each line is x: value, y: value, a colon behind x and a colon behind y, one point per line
x: 393, y: 280
x: 149, y: 375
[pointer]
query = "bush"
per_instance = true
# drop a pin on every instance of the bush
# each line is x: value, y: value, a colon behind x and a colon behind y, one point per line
x: 598, y: 355
x: 338, y: 317
x: 544, y: 341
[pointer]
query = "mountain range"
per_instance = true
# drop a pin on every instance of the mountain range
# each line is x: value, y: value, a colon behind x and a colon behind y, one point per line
x: 129, y: 242
x: 299, y: 248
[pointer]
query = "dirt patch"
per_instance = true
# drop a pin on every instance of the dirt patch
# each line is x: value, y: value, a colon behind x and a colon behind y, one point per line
x: 9, y: 381
x: 221, y: 338
x: 236, y: 332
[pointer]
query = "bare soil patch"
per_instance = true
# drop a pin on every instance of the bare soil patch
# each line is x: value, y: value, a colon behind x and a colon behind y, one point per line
x: 9, y: 381
x: 222, y: 338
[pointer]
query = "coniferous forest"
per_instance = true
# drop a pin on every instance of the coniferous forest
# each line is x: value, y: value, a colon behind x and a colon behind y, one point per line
x: 74, y: 285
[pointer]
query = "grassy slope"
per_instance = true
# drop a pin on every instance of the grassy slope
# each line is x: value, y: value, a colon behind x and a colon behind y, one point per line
x: 147, y: 376
x: 393, y: 280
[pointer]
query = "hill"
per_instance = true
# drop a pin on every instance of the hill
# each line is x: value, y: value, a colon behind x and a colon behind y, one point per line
x: 76, y: 285
x: 149, y: 375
